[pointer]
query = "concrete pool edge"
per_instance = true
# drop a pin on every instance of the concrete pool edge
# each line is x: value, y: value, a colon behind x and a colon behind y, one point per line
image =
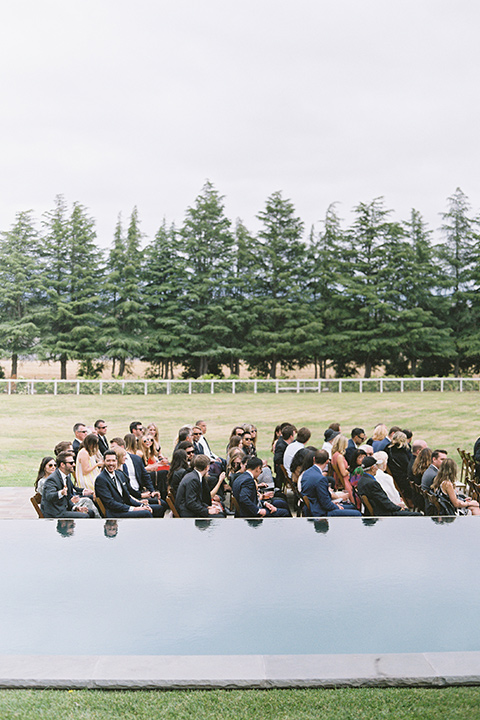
x: 129, y: 672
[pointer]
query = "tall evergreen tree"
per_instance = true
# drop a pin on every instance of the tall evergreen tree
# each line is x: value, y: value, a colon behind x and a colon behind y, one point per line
x: 72, y: 317
x: 20, y: 289
x: 278, y: 287
x: 457, y: 259
x: 126, y: 321
x: 164, y: 296
x: 208, y: 246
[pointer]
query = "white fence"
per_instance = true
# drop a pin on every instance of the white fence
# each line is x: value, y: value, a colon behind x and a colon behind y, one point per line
x: 193, y: 387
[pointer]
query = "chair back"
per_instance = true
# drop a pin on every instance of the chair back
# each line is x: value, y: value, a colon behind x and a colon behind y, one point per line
x: 367, y: 505
x: 171, y: 503
x: 36, y: 500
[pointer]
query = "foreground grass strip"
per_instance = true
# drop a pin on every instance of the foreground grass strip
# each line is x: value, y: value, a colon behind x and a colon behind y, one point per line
x: 342, y: 704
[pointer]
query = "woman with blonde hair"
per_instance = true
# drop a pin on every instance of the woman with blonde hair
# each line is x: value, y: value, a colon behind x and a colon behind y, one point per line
x: 340, y: 469
x: 399, y: 457
x: 89, y: 462
x: 152, y: 430
x: 444, y: 488
x: 380, y: 439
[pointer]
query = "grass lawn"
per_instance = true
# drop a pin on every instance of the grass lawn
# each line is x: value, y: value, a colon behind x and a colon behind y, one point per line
x: 342, y: 704
x: 32, y: 425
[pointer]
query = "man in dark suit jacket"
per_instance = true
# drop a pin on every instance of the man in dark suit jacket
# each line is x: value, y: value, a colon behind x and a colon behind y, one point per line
x: 379, y: 500
x: 59, y: 495
x: 193, y: 497
x: 139, y: 483
x: 315, y: 487
x: 246, y: 494
x: 101, y: 428
x: 112, y: 487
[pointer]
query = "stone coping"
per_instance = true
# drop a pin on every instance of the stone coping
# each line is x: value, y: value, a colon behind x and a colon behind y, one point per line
x: 239, y: 671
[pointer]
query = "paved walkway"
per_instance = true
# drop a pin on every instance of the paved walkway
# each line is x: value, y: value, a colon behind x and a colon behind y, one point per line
x: 15, y: 503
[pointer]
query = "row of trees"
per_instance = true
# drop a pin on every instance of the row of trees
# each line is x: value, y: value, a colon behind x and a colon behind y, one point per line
x: 212, y: 294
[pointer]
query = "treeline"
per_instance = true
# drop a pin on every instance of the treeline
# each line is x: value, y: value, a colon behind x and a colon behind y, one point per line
x: 211, y: 293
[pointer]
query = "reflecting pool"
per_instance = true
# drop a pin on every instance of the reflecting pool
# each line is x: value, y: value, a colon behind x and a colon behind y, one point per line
x: 224, y: 587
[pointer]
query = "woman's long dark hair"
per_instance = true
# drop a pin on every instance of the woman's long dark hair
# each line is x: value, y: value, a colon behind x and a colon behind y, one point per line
x: 41, y: 469
x: 179, y: 460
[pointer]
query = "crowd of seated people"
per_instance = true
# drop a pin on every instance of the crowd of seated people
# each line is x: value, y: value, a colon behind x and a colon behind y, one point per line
x: 131, y: 476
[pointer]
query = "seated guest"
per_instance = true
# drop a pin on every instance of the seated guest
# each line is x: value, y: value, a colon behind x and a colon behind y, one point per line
x: 152, y: 430
x: 252, y: 504
x: 443, y: 486
x: 193, y: 499
x: 380, y: 439
x: 386, y: 480
x: 89, y: 462
x: 315, y: 486
x: 438, y: 456
x: 287, y: 438
x: 329, y: 436
x: 112, y: 488
x: 138, y: 478
x: 62, y: 446
x: 417, y: 447
x: 421, y: 463
x: 184, y: 435
x: 60, y: 498
x: 303, y: 436
x: 136, y: 428
x: 196, y: 437
x: 47, y: 466
x: 203, y: 442
x: 131, y: 442
x: 80, y: 431
x: 178, y: 468
x: 247, y: 444
x: 101, y: 430
x: 357, y: 437
x: 368, y: 486
x: 399, y: 456
x: 339, y: 464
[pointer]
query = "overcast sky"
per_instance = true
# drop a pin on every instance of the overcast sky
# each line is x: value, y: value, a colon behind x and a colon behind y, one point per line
x: 116, y: 103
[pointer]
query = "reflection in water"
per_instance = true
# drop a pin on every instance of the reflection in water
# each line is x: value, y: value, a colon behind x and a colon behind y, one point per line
x: 320, y: 524
x: 110, y: 529
x: 254, y: 523
x: 205, y: 524
x: 444, y: 520
x: 66, y: 527
x: 370, y: 521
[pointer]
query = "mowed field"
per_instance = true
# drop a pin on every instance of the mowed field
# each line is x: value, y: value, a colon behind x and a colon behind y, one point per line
x: 32, y: 425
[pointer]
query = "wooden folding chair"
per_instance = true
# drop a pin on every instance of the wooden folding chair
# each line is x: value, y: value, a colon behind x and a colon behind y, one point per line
x: 367, y: 505
x: 100, y: 506
x: 234, y: 505
x: 171, y: 504
x: 306, y: 502
x: 36, y: 500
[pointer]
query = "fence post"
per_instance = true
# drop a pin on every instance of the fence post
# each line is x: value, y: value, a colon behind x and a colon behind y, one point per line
x: 339, y: 386
x: 101, y: 387
x: 461, y: 384
x: 441, y: 385
x: 169, y: 387
x: 276, y: 387
x: 421, y: 385
x: 212, y: 387
x: 255, y: 387
x: 123, y: 387
x: 401, y: 385
x: 189, y: 387
x: 319, y: 386
x: 361, y: 386
x: 381, y: 385
x: 145, y: 388
x: 78, y: 387
x: 298, y: 386
x: 233, y: 387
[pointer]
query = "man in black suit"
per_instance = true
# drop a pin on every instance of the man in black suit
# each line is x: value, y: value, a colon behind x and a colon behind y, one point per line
x: 193, y: 497
x: 80, y: 431
x: 379, y: 500
x: 245, y: 491
x: 101, y: 428
x: 60, y: 497
x: 140, y: 484
x: 287, y: 437
x: 111, y: 486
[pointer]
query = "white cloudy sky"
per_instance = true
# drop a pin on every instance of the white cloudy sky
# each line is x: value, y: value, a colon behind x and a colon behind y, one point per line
x: 119, y: 102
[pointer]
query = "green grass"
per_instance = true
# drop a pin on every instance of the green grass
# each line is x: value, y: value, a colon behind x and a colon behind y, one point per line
x: 342, y: 704
x: 32, y: 425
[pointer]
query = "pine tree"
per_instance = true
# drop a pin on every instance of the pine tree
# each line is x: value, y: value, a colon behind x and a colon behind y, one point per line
x: 208, y: 246
x: 457, y: 259
x: 163, y: 298
x: 72, y: 317
x: 125, y: 322
x: 20, y: 289
x: 278, y: 281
